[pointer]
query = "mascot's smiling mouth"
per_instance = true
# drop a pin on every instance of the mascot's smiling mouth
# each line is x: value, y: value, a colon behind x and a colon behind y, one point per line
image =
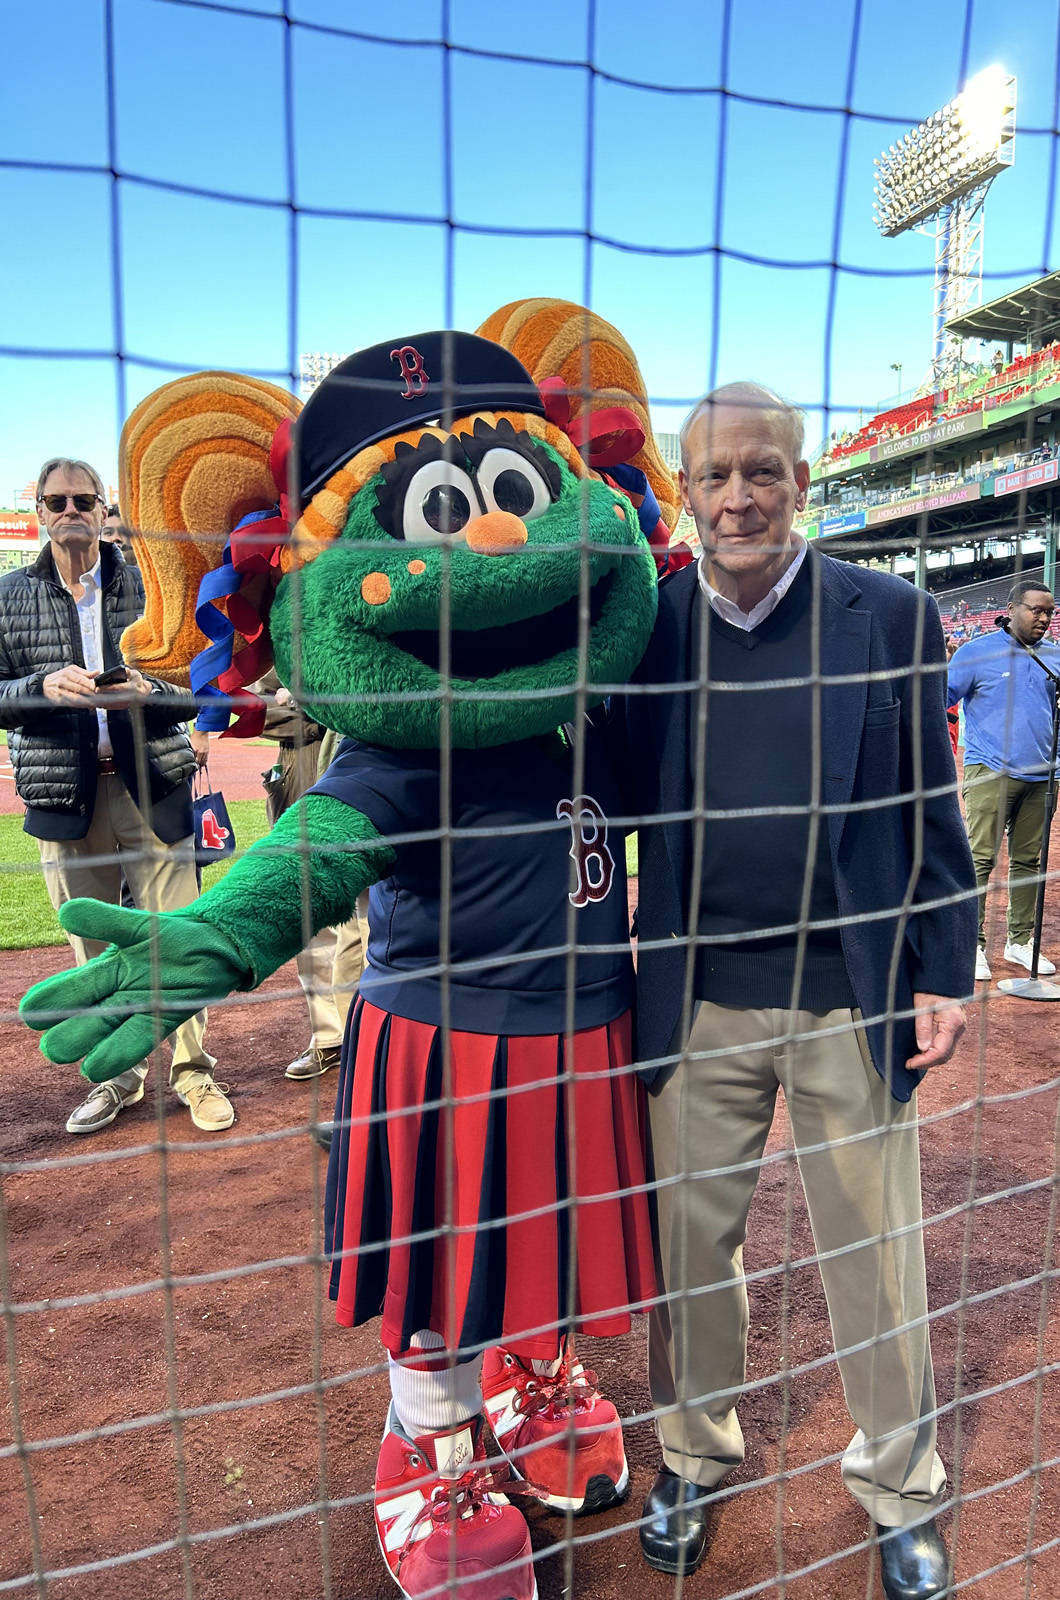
x: 487, y: 652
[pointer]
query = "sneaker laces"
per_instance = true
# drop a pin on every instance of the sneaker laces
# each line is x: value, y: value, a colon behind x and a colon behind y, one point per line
x: 565, y: 1391
x: 456, y: 1499
x: 108, y: 1089
x: 199, y: 1091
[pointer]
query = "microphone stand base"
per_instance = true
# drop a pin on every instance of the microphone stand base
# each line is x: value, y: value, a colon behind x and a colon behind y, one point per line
x: 1029, y: 989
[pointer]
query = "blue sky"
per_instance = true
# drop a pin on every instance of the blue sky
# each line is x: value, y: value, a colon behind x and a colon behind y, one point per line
x: 199, y: 102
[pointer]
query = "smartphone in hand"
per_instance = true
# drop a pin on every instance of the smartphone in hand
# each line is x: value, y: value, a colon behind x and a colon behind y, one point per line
x: 103, y: 680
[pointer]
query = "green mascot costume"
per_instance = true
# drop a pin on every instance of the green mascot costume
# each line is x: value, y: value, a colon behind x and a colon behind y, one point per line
x: 453, y: 576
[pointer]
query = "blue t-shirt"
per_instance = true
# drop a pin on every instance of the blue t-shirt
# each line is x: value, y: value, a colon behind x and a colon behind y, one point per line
x: 1008, y: 704
x: 512, y: 890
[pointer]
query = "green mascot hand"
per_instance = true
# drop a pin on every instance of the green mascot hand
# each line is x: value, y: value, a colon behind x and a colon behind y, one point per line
x: 160, y: 970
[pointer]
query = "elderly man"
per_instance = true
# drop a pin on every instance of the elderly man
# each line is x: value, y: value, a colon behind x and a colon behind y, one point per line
x: 75, y: 713
x: 807, y: 924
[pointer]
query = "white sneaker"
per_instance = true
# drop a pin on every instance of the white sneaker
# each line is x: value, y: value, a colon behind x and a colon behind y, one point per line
x: 1021, y: 955
x: 211, y: 1110
x: 103, y: 1103
x: 982, y: 965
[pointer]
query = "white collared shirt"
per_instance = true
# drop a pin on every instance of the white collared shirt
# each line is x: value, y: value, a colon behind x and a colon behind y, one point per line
x: 729, y: 611
x: 90, y: 621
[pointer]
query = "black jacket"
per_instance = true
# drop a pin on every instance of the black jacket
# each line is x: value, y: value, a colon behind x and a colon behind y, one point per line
x: 53, y: 748
x: 903, y: 869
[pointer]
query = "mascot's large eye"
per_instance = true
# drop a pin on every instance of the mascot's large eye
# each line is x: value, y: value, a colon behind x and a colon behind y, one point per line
x: 511, y: 482
x: 439, y: 500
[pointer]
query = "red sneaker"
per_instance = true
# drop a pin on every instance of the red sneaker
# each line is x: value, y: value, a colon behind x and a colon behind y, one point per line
x: 559, y: 1431
x: 445, y: 1527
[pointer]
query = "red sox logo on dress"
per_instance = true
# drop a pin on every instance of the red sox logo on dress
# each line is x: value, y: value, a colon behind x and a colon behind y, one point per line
x: 593, y: 861
x: 212, y: 835
x: 410, y: 361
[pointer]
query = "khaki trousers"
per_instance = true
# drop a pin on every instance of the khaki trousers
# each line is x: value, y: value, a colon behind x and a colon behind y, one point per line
x: 709, y: 1125
x: 330, y: 965
x: 329, y: 970
x: 160, y: 876
x: 995, y: 805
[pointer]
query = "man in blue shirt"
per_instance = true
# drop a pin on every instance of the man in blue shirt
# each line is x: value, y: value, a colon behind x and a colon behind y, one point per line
x: 1008, y: 707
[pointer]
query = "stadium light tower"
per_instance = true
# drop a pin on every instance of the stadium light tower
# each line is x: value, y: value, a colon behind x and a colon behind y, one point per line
x: 935, y: 180
x: 315, y: 366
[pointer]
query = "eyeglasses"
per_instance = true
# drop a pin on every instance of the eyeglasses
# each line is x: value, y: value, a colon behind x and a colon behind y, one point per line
x: 82, y: 502
x: 1038, y: 611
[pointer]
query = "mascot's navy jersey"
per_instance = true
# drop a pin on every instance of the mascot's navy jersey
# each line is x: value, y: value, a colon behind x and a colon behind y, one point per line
x: 512, y: 890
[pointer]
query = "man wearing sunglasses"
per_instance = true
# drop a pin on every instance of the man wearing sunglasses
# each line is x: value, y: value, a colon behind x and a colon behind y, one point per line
x: 85, y: 731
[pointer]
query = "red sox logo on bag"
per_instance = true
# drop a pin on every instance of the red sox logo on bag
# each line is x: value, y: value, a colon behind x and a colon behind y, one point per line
x: 212, y: 835
x: 593, y: 861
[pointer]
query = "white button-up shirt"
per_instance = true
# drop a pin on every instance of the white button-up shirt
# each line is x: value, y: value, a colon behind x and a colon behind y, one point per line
x: 90, y: 621
x: 729, y: 611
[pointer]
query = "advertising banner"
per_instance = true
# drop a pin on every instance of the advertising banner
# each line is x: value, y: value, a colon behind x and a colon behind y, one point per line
x: 19, y: 528
x: 927, y: 502
x: 848, y: 522
x: 1026, y: 478
x: 938, y: 433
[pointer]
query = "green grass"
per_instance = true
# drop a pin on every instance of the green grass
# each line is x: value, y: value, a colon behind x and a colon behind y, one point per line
x: 27, y: 920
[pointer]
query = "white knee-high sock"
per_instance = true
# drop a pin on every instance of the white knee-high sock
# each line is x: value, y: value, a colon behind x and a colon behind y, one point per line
x: 430, y: 1401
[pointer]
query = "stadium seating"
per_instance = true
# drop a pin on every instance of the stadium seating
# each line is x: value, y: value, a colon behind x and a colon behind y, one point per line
x: 1023, y: 375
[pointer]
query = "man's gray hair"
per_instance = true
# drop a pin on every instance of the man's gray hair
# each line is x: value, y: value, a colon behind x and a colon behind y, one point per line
x: 754, y: 397
x: 68, y: 464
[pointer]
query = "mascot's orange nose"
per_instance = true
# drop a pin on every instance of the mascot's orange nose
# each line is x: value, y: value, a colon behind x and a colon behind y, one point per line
x: 496, y: 533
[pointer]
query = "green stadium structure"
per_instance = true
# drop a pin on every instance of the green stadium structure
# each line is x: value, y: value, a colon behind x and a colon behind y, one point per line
x: 962, y: 483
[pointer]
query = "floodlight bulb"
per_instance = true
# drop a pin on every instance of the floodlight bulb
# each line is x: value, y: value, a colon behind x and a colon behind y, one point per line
x: 982, y: 109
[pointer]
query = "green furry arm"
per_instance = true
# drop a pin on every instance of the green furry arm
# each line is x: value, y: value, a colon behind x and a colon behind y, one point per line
x: 303, y: 876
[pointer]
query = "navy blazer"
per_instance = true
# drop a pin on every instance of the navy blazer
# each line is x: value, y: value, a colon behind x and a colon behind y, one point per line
x: 899, y: 849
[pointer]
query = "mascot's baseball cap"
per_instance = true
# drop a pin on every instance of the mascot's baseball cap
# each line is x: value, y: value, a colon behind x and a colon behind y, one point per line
x: 391, y: 387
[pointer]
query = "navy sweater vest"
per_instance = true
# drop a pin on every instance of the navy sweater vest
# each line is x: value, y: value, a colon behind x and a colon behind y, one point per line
x: 759, y: 753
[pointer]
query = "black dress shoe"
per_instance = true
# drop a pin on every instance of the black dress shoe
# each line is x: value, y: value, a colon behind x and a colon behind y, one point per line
x: 674, y: 1537
x: 321, y: 1133
x: 913, y: 1562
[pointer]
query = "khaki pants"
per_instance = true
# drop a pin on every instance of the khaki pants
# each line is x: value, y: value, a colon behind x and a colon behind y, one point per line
x: 330, y: 965
x: 994, y: 806
x: 709, y: 1125
x: 329, y: 970
x: 160, y: 876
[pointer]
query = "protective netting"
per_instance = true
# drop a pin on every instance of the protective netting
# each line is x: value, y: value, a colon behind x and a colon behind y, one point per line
x: 183, y: 1413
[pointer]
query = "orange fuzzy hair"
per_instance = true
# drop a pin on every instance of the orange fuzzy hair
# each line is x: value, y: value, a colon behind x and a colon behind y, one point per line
x: 558, y: 339
x: 193, y: 460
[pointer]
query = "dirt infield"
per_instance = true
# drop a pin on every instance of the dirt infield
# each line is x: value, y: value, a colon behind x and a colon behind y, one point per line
x: 86, y: 1227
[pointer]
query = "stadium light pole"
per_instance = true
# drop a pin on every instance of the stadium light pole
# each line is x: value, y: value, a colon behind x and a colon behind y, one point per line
x: 896, y: 366
x: 315, y: 366
x: 935, y: 180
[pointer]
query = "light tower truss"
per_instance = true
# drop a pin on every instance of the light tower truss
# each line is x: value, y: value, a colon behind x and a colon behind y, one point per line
x: 935, y: 180
x: 958, y: 235
x: 314, y: 367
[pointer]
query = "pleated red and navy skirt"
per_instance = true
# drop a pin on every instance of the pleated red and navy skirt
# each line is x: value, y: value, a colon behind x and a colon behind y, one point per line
x: 498, y: 1197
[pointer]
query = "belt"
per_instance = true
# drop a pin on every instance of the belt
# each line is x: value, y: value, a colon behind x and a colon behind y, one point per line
x: 107, y: 769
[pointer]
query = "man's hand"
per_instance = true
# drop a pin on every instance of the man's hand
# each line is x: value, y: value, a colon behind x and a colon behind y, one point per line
x: 119, y: 696
x: 200, y: 743
x: 70, y: 686
x: 939, y: 1029
x: 74, y: 686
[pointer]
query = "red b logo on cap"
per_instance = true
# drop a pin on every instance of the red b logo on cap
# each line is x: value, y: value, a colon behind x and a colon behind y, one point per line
x: 410, y: 361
